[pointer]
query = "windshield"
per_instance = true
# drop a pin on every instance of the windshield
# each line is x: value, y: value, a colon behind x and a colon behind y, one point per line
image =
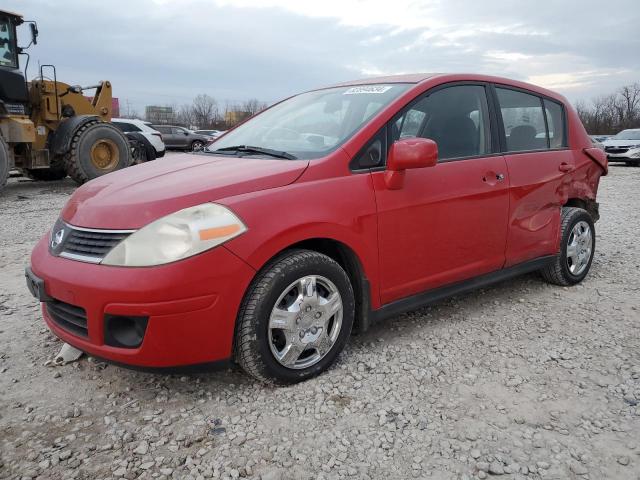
x: 312, y: 124
x: 8, y: 56
x: 628, y: 135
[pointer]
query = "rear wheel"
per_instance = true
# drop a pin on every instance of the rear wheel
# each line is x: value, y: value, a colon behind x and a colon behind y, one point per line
x: 578, y: 245
x: 97, y: 148
x: 4, y: 163
x: 295, y: 318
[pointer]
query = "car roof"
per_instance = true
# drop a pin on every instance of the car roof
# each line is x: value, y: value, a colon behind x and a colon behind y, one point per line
x: 126, y: 120
x: 416, y: 78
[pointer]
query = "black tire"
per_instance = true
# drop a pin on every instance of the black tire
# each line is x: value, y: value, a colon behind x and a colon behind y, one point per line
x: 252, y: 340
x: 46, y: 174
x: 558, y: 272
x: 197, y: 145
x: 77, y: 160
x: 4, y: 163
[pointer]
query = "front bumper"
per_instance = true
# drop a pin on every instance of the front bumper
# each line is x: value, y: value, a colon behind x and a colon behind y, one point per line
x: 632, y: 155
x: 191, y: 305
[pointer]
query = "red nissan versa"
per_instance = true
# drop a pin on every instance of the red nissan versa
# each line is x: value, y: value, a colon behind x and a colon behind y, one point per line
x: 326, y: 212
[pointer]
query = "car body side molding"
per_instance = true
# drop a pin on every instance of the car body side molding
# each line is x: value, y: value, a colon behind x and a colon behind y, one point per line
x: 431, y: 296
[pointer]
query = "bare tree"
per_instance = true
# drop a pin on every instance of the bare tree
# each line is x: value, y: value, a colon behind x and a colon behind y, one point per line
x: 205, y: 110
x: 185, y: 115
x: 608, y: 114
x: 253, y: 106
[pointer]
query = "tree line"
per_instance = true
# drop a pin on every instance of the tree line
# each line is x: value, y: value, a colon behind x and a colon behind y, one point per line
x: 609, y: 114
x: 205, y: 112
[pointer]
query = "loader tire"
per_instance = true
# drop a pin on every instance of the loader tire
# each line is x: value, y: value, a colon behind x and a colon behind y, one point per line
x: 4, y: 163
x: 97, y: 148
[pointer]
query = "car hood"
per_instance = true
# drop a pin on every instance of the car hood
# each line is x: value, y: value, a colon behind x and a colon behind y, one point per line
x: 136, y: 196
x: 620, y: 143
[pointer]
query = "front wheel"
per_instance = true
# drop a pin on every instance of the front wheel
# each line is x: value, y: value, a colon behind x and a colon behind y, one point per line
x: 578, y: 244
x: 295, y: 318
x: 197, y: 146
x: 97, y: 148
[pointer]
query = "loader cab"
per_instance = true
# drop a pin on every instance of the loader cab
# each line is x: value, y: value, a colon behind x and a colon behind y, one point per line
x: 13, y: 89
x: 8, y: 42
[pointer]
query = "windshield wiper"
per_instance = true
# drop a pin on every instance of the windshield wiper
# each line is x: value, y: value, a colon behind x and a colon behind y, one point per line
x: 250, y: 149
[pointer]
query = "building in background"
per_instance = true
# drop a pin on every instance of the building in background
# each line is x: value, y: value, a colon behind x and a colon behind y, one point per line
x: 234, y: 117
x: 159, y: 115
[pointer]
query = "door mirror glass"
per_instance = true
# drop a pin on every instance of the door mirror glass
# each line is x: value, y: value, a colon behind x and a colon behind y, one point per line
x: 34, y: 33
x: 412, y: 153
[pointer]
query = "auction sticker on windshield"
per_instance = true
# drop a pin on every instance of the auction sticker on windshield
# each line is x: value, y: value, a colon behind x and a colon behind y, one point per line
x: 367, y: 89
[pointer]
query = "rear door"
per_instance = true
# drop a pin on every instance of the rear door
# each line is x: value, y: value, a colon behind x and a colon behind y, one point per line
x: 533, y: 137
x: 180, y: 137
x: 167, y: 136
x: 449, y: 222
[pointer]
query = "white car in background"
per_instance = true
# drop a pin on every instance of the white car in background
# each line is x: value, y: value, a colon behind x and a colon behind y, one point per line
x: 142, y: 131
x: 624, y: 147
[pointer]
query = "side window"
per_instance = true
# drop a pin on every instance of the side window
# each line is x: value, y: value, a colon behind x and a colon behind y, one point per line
x: 523, y: 120
x: 178, y: 131
x: 556, y: 123
x: 456, y: 118
x: 162, y: 129
x: 123, y: 127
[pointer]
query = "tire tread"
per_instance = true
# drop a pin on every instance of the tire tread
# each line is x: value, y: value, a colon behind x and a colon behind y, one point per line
x: 246, y: 343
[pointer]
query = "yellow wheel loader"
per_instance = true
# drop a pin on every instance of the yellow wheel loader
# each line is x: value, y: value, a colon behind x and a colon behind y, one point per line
x: 49, y: 129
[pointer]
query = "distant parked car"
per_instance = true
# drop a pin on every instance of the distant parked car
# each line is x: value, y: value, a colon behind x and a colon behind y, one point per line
x: 150, y: 139
x: 624, y: 147
x: 182, y: 138
x: 600, y: 138
x: 596, y: 142
x: 210, y: 133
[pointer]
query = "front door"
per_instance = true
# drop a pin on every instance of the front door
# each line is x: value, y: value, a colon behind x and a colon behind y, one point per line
x: 449, y: 222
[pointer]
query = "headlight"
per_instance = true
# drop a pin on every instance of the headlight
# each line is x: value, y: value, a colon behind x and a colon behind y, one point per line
x: 177, y: 236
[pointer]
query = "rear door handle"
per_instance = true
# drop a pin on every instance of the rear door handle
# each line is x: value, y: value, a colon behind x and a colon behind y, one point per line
x: 565, y: 167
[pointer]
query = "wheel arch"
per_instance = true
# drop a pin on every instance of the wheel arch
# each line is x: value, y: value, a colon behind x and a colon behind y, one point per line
x: 61, y: 138
x: 349, y: 260
x: 591, y: 206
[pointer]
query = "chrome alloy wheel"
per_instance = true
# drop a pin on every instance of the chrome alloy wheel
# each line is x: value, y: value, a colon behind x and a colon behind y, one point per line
x: 305, y: 322
x: 579, y: 247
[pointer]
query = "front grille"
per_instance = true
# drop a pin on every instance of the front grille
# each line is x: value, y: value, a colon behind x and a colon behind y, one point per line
x: 616, y: 149
x: 91, y: 244
x: 69, y: 317
x: 84, y: 244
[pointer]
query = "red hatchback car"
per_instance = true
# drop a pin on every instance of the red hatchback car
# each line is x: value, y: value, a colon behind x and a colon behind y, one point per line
x: 328, y: 211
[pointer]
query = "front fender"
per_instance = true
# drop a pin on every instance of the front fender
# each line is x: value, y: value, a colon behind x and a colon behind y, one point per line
x: 341, y: 209
x: 63, y: 135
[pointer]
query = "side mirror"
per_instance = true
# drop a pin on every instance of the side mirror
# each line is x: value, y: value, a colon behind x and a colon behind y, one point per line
x: 406, y: 154
x: 186, y: 133
x: 34, y: 33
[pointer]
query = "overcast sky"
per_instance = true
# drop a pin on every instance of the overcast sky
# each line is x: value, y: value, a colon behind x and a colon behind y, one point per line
x: 167, y: 51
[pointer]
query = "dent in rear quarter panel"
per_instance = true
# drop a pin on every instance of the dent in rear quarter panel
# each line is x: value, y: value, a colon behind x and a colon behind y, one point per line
x: 585, y: 178
x: 340, y: 208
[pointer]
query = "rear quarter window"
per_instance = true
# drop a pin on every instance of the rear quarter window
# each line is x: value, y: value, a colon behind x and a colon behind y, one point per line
x: 557, y: 124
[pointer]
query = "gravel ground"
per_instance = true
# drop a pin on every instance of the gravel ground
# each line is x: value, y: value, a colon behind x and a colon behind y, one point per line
x: 522, y: 380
